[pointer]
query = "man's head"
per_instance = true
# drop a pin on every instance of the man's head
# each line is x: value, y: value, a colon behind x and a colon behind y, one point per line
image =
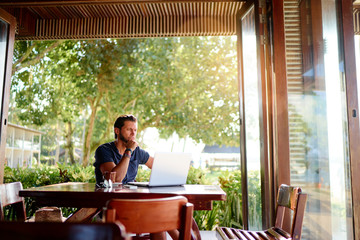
x: 130, y: 121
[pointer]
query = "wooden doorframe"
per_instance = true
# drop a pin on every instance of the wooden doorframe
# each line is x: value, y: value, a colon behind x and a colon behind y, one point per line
x: 244, y: 188
x: 280, y: 118
x: 6, y: 17
x: 347, y: 25
x: 265, y: 112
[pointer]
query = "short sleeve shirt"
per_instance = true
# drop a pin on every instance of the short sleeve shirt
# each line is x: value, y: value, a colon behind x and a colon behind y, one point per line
x: 108, y: 152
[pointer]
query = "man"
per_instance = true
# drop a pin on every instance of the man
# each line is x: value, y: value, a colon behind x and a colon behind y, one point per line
x: 123, y: 155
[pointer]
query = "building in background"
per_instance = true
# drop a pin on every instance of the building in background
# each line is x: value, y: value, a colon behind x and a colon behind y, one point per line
x: 220, y: 158
x: 23, y: 146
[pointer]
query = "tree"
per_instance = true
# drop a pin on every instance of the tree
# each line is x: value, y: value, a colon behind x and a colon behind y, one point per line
x: 182, y: 85
x: 43, y: 83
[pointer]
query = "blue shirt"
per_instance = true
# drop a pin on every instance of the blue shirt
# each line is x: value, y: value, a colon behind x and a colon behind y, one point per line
x: 108, y: 152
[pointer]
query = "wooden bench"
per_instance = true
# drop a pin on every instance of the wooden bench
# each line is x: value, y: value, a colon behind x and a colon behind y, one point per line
x: 288, y: 198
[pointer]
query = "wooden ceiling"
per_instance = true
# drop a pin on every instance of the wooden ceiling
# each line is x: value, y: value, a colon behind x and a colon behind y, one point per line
x: 87, y: 19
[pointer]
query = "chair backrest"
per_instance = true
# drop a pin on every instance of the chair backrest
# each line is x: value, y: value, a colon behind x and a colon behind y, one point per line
x: 152, y: 215
x: 291, y: 198
x: 9, y: 195
x: 62, y: 231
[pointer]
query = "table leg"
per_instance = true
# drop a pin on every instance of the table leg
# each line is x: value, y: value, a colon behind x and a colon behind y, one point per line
x: 83, y: 215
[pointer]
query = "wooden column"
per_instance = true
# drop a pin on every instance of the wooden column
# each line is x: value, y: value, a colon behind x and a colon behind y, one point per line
x: 281, y: 146
x: 280, y: 99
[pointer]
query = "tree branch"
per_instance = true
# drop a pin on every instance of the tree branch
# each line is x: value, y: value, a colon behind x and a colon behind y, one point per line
x: 35, y: 60
x: 26, y: 55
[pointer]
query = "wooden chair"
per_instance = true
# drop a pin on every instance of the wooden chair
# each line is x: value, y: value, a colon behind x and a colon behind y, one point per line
x: 62, y: 231
x: 152, y: 215
x: 9, y: 195
x: 288, y: 198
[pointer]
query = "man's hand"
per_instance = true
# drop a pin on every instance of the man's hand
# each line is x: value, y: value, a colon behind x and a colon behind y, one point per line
x: 132, y: 144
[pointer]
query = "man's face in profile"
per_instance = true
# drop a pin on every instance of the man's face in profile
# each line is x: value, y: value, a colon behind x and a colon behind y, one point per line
x: 128, y: 131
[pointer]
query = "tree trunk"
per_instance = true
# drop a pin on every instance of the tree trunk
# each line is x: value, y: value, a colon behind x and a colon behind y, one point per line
x: 69, y: 142
x: 93, y: 106
x: 83, y: 135
x: 58, y: 136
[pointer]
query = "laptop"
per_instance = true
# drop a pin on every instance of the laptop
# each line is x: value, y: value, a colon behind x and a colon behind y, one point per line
x: 169, y: 169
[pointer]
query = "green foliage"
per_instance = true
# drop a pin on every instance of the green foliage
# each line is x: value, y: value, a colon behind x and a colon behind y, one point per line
x: 42, y: 175
x: 254, y: 194
x: 208, y: 220
x: 230, y: 214
x: 77, y: 173
x: 197, y: 176
x: 33, y: 177
x: 143, y: 175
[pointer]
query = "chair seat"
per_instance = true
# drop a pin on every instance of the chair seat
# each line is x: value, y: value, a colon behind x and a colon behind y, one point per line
x: 226, y: 233
x: 49, y: 214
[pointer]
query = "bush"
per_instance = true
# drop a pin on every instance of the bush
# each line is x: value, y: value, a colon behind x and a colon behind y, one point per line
x: 230, y: 214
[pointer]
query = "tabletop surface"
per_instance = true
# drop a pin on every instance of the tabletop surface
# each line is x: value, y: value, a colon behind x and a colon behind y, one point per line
x: 119, y: 188
x: 75, y: 194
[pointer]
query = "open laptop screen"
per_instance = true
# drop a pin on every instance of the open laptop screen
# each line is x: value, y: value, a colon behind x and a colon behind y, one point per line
x: 169, y: 169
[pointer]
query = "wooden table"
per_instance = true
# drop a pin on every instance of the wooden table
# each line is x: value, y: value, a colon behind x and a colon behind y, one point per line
x: 90, y: 199
x: 86, y: 195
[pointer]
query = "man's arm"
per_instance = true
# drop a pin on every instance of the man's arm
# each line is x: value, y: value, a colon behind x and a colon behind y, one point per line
x: 120, y: 169
x: 150, y: 162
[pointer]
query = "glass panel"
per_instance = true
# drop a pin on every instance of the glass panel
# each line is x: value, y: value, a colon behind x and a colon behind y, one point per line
x: 3, y: 39
x: 252, y: 132
x: 319, y: 157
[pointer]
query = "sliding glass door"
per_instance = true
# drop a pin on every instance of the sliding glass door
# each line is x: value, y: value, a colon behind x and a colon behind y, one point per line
x: 7, y: 36
x: 254, y: 118
x: 318, y: 122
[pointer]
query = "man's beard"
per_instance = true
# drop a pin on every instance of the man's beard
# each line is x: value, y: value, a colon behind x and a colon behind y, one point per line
x: 122, y: 138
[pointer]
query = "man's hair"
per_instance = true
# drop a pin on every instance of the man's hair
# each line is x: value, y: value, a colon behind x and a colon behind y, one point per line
x: 120, y: 121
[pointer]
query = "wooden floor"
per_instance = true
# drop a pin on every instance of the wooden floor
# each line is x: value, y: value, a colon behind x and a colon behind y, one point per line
x: 208, y: 235
x: 205, y: 235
